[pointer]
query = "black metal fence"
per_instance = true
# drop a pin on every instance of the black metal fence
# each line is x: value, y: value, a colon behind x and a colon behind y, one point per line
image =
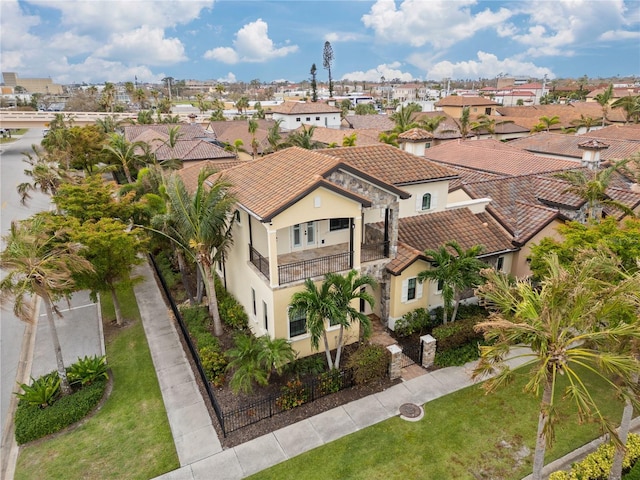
x: 296, y: 392
x: 314, y: 267
x: 411, y: 353
x: 259, y: 261
x: 374, y: 251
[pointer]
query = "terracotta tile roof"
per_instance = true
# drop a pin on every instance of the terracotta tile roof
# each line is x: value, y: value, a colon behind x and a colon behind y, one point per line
x: 618, y: 132
x: 429, y: 231
x: 189, y: 173
x: 390, y: 164
x: 566, y: 112
x: 381, y: 123
x: 416, y: 135
x: 332, y: 135
x: 294, y: 108
x: 230, y: 131
x: 188, y: 150
x: 567, y: 145
x: 494, y: 157
x: 469, y: 175
x: 460, y: 101
x: 188, y: 131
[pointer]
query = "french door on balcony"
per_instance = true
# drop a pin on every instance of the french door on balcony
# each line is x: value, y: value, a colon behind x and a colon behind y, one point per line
x: 304, y: 235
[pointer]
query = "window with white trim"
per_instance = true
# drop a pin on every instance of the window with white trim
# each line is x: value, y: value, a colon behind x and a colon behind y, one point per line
x: 265, y: 315
x: 500, y: 264
x: 253, y: 302
x: 411, y: 290
x: 297, y: 324
x: 338, y: 224
x: 439, y: 286
x: 426, y: 201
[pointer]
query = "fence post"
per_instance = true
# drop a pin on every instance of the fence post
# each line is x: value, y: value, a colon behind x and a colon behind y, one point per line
x: 395, y: 366
x: 428, y: 350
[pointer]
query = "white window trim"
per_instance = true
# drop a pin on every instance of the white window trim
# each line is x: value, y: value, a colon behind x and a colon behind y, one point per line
x: 297, y: 337
x: 433, y: 205
x: 405, y: 291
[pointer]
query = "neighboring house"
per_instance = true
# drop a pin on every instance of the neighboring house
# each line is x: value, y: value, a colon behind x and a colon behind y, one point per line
x: 296, y: 114
x: 193, y: 146
x: 529, y: 116
x: 227, y: 132
x: 617, y: 132
x: 332, y: 136
x: 454, y: 104
x: 617, y: 93
x: 381, y: 123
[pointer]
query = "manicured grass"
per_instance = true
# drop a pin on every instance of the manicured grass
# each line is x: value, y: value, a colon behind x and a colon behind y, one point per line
x: 130, y: 436
x: 465, y: 435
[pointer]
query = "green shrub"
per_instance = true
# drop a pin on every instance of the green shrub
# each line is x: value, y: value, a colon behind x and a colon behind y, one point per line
x: 87, y: 370
x: 233, y: 314
x: 597, y: 465
x: 32, y: 422
x: 171, y: 277
x: 198, y: 323
x: 417, y: 321
x: 634, y: 473
x: 457, y: 356
x: 313, y: 365
x: 214, y: 365
x: 456, y: 334
x: 294, y: 394
x: 329, y: 382
x: 369, y: 363
x: 42, y: 392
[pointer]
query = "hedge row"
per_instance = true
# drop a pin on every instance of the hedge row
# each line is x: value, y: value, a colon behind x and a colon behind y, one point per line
x: 33, y: 422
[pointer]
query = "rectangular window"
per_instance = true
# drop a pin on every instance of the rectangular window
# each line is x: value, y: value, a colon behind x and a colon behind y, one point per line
x: 253, y: 301
x: 440, y: 286
x: 317, y: 119
x: 297, y: 119
x: 237, y: 216
x: 308, y: 119
x: 411, y: 289
x: 500, y: 264
x: 338, y: 224
x: 266, y: 315
x: 297, y: 325
x: 426, y: 201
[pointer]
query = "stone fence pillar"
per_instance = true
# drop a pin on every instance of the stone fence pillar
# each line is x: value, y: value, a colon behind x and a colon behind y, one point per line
x: 428, y: 350
x: 395, y: 365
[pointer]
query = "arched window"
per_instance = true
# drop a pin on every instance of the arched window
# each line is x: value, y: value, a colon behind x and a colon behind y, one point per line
x: 426, y: 201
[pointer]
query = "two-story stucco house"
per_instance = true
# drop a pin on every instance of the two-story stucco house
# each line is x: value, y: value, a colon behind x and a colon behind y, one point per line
x: 302, y: 214
x: 295, y: 114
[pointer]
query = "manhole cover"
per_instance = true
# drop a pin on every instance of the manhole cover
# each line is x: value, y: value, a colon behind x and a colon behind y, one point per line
x: 410, y: 410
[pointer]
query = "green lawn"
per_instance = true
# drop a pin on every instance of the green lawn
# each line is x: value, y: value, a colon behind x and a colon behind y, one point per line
x: 465, y: 435
x: 130, y: 436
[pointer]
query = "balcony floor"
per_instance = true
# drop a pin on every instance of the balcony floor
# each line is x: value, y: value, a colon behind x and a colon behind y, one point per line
x: 311, y: 254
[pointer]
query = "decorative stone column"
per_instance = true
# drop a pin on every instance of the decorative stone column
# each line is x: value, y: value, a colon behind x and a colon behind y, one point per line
x: 385, y: 298
x: 395, y: 366
x: 428, y: 350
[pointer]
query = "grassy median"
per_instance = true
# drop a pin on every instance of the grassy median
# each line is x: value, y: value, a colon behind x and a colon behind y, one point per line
x: 130, y: 436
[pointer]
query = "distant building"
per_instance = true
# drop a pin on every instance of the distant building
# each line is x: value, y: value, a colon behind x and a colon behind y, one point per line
x: 32, y: 85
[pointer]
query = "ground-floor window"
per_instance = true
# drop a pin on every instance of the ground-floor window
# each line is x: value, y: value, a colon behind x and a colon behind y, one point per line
x: 297, y: 325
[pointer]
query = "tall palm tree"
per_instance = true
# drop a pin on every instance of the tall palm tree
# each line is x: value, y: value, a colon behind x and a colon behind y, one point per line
x: 603, y: 100
x: 455, y: 271
x: 404, y: 117
x: 242, y: 104
x: 346, y: 289
x: 303, y: 139
x: 591, y: 186
x: 203, y: 224
x: 253, y: 128
x: 630, y: 105
x: 140, y: 96
x: 123, y: 153
x: 464, y: 123
x: 318, y: 305
x: 561, y: 321
x: 46, y: 175
x: 274, y: 136
x: 108, y: 96
x: 38, y: 263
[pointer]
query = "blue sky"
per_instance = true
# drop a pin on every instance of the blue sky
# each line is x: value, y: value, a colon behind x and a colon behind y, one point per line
x: 97, y: 40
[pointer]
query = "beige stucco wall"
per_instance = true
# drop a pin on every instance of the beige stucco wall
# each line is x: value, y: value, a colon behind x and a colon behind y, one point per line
x: 397, y: 308
x: 438, y: 191
x: 520, y: 266
x: 457, y: 195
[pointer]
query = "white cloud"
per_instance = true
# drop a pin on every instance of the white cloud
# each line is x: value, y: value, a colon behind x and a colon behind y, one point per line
x: 230, y: 78
x: 252, y: 44
x: 389, y: 72
x: 337, y: 37
x: 440, y: 23
x: 143, y: 45
x: 15, y: 38
x: 617, y: 35
x: 99, y: 70
x: 486, y: 66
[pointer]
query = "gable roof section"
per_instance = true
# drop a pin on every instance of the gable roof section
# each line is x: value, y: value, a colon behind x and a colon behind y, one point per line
x: 567, y: 145
x: 187, y: 131
x: 618, y: 132
x: 328, y: 136
x: 301, y: 108
x: 187, y: 150
x: 381, y: 123
x: 189, y: 173
x: 390, y: 164
x: 430, y: 231
x: 460, y: 101
x: 494, y: 157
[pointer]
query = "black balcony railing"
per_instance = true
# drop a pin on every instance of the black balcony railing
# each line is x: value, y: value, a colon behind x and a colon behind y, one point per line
x: 259, y: 261
x: 374, y: 251
x: 292, y: 272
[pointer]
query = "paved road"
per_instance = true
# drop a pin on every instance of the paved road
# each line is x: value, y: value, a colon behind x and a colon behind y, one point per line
x: 11, y: 329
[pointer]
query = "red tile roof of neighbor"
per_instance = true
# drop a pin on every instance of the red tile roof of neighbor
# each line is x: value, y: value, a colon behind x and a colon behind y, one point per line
x: 566, y: 112
x: 460, y: 101
x: 328, y: 136
x: 429, y: 231
x: 416, y: 135
x: 293, y: 108
x: 188, y: 150
x: 617, y: 132
x: 239, y: 130
x: 189, y: 173
x: 494, y: 157
x: 381, y: 123
x: 187, y: 131
x: 567, y: 145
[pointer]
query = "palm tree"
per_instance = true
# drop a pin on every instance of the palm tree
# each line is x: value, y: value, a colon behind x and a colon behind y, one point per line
x: 46, y: 175
x: 562, y: 321
x: 603, y: 100
x: 591, y: 186
x: 38, y: 263
x: 109, y: 124
x: 253, y: 128
x: 488, y: 124
x: 274, y: 136
x: 404, y: 117
x: 242, y: 104
x: 548, y: 122
x: 123, y: 153
x: 389, y: 138
x: 219, y: 89
x: 349, y: 140
x: 586, y: 122
x: 430, y: 124
x: 203, y: 223
x: 630, y: 105
x: 108, y: 96
x: 455, y: 272
x: 346, y: 289
x: 140, y: 96
x: 318, y: 305
x: 464, y: 123
x: 303, y: 139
